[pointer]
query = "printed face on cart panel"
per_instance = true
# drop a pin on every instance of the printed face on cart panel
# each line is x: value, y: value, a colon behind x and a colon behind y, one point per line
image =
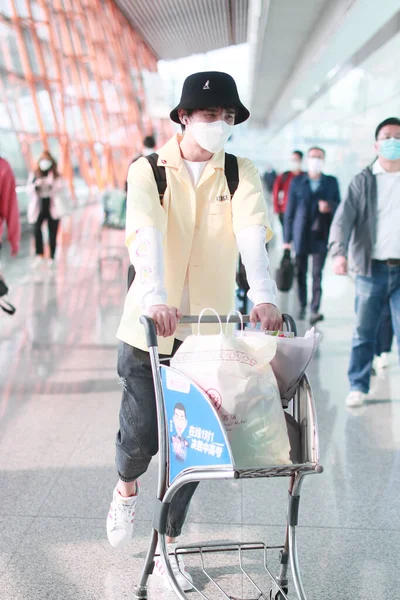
x: 179, y: 419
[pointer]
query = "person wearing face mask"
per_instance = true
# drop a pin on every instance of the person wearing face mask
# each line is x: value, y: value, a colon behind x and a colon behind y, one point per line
x: 47, y: 203
x: 365, y: 237
x: 313, y: 200
x: 184, y: 246
x: 280, y: 192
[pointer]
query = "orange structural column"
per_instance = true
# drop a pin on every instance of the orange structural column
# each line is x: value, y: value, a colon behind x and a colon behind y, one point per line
x: 76, y: 86
x: 23, y: 53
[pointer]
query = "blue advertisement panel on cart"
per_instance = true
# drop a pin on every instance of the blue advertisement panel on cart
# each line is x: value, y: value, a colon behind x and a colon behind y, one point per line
x: 196, y: 436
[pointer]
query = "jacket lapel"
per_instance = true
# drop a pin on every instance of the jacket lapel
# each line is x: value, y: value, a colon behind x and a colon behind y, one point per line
x: 217, y: 161
x: 307, y: 195
x: 322, y: 187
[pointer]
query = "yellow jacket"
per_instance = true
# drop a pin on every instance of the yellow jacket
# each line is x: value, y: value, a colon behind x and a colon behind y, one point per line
x: 198, y: 226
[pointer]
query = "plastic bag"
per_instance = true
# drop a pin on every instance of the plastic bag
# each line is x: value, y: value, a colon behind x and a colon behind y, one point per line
x: 293, y: 355
x: 240, y: 382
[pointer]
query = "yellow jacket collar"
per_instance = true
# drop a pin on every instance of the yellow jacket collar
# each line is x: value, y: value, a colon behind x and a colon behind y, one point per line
x: 170, y: 155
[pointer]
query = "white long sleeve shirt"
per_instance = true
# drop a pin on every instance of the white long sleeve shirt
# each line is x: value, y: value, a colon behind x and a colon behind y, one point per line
x: 146, y: 254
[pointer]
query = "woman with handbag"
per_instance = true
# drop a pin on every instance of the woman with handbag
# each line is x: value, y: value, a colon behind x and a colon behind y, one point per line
x: 47, y: 203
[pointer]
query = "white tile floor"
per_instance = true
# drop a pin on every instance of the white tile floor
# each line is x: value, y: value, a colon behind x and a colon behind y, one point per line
x: 59, y: 401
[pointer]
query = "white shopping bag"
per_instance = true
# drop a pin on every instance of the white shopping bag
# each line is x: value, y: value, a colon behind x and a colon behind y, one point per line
x: 239, y: 380
x: 293, y: 355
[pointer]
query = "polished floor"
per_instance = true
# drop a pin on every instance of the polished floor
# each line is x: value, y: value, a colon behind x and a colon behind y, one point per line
x: 59, y: 401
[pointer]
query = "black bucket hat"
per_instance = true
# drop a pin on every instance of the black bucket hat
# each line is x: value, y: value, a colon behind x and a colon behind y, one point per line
x: 210, y: 89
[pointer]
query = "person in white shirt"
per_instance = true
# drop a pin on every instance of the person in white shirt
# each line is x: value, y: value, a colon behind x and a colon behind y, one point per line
x: 367, y: 229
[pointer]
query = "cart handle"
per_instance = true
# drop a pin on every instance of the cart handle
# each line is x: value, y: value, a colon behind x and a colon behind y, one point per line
x: 151, y: 334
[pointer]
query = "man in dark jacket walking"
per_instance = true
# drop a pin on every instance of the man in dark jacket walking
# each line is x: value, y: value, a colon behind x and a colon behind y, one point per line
x: 313, y: 200
x: 280, y: 192
x: 366, y: 229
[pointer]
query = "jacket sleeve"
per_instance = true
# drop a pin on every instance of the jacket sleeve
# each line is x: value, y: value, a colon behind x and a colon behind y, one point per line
x: 10, y: 209
x: 290, y: 213
x: 147, y: 256
x: 251, y: 245
x: 275, y: 192
x: 344, y: 220
x: 335, y: 201
x: 59, y: 185
x: 143, y: 202
x: 248, y: 204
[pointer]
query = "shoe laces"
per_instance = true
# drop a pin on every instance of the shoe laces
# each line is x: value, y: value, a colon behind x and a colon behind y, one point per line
x: 123, y: 513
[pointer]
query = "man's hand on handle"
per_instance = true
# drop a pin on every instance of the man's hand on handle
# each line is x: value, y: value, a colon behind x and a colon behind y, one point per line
x: 166, y: 319
x: 340, y: 265
x: 268, y: 315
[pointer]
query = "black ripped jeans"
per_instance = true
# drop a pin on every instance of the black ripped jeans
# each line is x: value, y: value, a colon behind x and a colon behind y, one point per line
x: 137, y: 438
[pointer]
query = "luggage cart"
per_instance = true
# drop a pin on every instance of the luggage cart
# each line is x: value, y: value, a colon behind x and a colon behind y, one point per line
x: 171, y: 386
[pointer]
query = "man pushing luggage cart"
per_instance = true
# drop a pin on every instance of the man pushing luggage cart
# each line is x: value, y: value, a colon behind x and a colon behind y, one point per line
x: 174, y: 393
x: 190, y: 208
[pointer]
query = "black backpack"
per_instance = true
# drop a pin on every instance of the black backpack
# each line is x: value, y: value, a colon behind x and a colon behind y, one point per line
x: 160, y: 176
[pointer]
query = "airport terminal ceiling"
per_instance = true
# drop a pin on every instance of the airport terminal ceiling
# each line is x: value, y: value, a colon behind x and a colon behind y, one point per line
x: 178, y: 28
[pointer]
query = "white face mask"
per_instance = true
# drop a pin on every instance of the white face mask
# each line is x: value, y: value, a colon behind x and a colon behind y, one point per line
x: 212, y: 136
x: 295, y: 165
x: 45, y: 164
x: 315, y: 165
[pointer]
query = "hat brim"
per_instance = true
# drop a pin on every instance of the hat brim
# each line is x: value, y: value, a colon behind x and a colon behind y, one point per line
x: 242, y: 114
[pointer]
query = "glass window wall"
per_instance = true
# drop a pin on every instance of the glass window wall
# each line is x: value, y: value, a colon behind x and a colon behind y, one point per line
x: 85, y: 97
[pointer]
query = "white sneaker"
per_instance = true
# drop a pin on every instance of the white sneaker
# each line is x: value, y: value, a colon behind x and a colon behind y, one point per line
x: 183, y: 576
x: 382, y: 361
x: 355, y: 398
x: 51, y: 263
x: 121, y: 518
x: 38, y: 261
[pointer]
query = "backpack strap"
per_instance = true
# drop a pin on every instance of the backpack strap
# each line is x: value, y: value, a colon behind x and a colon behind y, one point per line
x: 159, y: 174
x: 231, y: 172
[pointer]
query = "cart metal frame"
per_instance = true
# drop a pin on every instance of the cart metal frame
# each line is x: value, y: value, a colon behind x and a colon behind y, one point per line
x: 302, y: 408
